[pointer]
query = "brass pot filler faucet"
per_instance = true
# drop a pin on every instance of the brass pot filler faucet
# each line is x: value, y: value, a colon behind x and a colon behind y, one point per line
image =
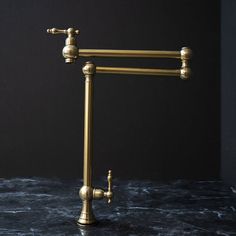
x: 70, y: 52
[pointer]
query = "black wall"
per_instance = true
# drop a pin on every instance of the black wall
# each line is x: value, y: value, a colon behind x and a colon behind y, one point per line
x: 228, y: 92
x: 144, y: 127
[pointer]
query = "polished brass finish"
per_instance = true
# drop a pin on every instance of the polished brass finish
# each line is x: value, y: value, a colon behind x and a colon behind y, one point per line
x: 99, y: 193
x: 86, y: 215
x: 128, y: 53
x: 109, y: 193
x: 88, y: 70
x: 136, y: 71
x: 70, y: 52
x: 87, y: 192
x: 185, y: 71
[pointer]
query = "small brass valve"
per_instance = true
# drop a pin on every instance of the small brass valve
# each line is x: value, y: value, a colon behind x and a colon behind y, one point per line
x: 100, y: 193
x: 109, y: 192
x: 70, y: 51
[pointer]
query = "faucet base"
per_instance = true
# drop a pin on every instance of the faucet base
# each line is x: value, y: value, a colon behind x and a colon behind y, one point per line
x: 86, y: 216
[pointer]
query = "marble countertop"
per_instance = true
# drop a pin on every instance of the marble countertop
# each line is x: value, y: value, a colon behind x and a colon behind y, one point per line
x: 40, y: 206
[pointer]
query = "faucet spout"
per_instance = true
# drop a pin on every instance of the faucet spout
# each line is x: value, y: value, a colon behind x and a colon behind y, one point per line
x: 70, y: 51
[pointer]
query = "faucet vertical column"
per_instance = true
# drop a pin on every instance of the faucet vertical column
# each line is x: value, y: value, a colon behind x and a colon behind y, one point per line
x: 86, y: 192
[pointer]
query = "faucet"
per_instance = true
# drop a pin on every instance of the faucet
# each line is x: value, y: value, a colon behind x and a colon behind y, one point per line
x: 71, y: 52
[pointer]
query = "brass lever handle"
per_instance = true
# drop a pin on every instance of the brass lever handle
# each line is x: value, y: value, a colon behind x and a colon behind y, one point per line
x: 100, y: 193
x: 70, y: 51
x: 69, y: 31
x: 109, y: 194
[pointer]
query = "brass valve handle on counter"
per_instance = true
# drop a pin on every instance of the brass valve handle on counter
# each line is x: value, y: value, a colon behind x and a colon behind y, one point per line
x: 100, y: 193
x: 109, y: 193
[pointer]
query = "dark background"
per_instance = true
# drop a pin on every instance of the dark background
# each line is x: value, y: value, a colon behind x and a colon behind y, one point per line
x: 228, y: 91
x: 144, y: 127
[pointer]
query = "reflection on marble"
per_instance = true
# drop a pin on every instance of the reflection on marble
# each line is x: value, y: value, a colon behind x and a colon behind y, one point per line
x: 39, y: 206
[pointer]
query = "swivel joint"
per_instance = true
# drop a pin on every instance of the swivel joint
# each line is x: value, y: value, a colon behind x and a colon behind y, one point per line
x: 185, y: 55
x: 70, y: 51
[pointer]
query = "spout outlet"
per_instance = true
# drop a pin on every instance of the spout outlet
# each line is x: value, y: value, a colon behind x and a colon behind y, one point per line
x: 70, y: 53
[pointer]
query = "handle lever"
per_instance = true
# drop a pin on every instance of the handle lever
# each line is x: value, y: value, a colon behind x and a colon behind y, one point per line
x: 70, y: 31
x: 70, y: 51
x: 109, y: 190
x: 100, y: 193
